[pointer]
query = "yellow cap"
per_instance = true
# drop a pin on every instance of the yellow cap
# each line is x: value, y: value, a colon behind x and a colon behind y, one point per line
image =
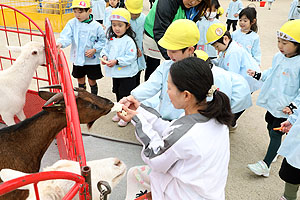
x: 201, y: 54
x: 290, y: 31
x: 81, y: 4
x: 134, y: 6
x: 215, y: 32
x: 220, y: 11
x: 120, y: 14
x: 180, y: 34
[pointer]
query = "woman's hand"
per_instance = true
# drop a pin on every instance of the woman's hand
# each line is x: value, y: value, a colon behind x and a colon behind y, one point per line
x: 126, y: 114
x: 286, y: 126
x: 130, y: 102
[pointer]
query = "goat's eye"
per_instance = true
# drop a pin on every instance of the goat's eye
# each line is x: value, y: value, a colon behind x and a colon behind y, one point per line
x: 95, y: 107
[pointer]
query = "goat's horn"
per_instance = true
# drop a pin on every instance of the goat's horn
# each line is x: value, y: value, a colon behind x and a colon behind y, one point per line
x: 54, y: 98
x: 51, y: 87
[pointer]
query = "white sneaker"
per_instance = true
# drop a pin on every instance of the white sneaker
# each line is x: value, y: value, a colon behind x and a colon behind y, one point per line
x: 282, y: 198
x: 260, y: 168
x: 275, y: 159
x: 122, y: 123
x: 233, y: 129
x: 115, y: 118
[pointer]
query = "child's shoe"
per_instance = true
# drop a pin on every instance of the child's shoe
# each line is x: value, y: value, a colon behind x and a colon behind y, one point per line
x: 260, y: 168
x: 275, y: 159
x: 115, y: 118
x: 282, y: 198
x: 122, y: 123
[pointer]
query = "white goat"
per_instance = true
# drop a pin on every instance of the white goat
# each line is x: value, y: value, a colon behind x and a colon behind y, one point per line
x: 15, y: 81
x: 111, y: 170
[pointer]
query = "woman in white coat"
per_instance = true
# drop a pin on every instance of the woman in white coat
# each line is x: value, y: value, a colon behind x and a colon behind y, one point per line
x: 188, y: 157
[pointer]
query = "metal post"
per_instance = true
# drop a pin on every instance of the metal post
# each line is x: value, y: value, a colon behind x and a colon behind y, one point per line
x: 86, y: 173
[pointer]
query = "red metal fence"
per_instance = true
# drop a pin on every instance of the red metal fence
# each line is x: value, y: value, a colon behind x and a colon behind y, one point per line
x: 69, y: 141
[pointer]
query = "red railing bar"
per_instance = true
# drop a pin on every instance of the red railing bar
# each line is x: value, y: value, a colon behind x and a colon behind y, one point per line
x: 13, y: 184
x: 23, y: 15
x: 22, y: 32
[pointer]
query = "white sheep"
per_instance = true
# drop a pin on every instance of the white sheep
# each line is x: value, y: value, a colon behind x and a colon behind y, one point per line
x: 111, y: 170
x: 52, y: 6
x: 15, y: 81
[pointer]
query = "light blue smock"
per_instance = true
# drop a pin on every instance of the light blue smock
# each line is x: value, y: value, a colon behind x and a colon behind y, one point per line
x: 237, y: 59
x: 107, y: 13
x: 250, y: 42
x: 124, y: 50
x: 156, y: 83
x: 270, y: 1
x: 281, y: 85
x: 137, y: 26
x: 203, y: 25
x: 290, y: 147
x: 82, y: 36
x: 98, y: 9
x: 294, y: 12
x: 233, y: 8
x: 235, y: 87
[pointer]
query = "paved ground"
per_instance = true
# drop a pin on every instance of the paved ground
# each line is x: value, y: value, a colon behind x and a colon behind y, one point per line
x: 248, y: 143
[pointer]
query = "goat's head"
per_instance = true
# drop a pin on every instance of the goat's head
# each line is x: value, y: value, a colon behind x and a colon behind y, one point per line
x: 31, y: 50
x: 90, y: 107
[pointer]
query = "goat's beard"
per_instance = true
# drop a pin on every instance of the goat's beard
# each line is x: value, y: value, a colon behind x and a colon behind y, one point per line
x: 90, y: 124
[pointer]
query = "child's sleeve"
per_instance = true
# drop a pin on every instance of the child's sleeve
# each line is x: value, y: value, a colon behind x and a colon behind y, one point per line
x: 265, y: 74
x: 101, y: 39
x: 234, y: 62
x: 130, y: 54
x: 104, y: 51
x: 293, y: 117
x: 256, y: 51
x: 240, y: 7
x: 66, y: 36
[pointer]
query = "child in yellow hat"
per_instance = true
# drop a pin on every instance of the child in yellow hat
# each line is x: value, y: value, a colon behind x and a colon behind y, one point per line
x: 232, y: 57
x: 87, y: 38
x: 137, y: 21
x: 113, y: 4
x: 120, y: 56
x: 280, y: 95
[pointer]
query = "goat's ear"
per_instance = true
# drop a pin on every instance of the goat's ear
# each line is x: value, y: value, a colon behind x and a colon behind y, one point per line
x: 14, y: 48
x: 9, y: 174
x: 46, y: 95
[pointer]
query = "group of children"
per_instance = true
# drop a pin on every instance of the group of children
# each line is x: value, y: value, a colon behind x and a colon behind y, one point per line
x: 234, y: 63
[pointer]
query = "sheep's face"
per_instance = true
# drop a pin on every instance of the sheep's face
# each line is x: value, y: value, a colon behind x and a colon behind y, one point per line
x: 111, y: 170
x: 35, y: 50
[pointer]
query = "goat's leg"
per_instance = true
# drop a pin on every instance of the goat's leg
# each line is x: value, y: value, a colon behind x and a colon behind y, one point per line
x: 21, y: 115
x: 8, y: 119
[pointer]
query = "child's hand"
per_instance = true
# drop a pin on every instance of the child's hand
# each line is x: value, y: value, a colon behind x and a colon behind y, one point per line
x: 103, y: 27
x: 236, y: 15
x: 111, y: 63
x: 90, y: 53
x: 58, y: 46
x: 226, y: 14
x: 286, y: 126
x: 139, y: 54
x: 287, y: 110
x: 250, y: 72
x: 104, y: 60
x: 127, y: 115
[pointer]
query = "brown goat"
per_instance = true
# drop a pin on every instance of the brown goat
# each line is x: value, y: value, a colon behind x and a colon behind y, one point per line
x: 24, y: 144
